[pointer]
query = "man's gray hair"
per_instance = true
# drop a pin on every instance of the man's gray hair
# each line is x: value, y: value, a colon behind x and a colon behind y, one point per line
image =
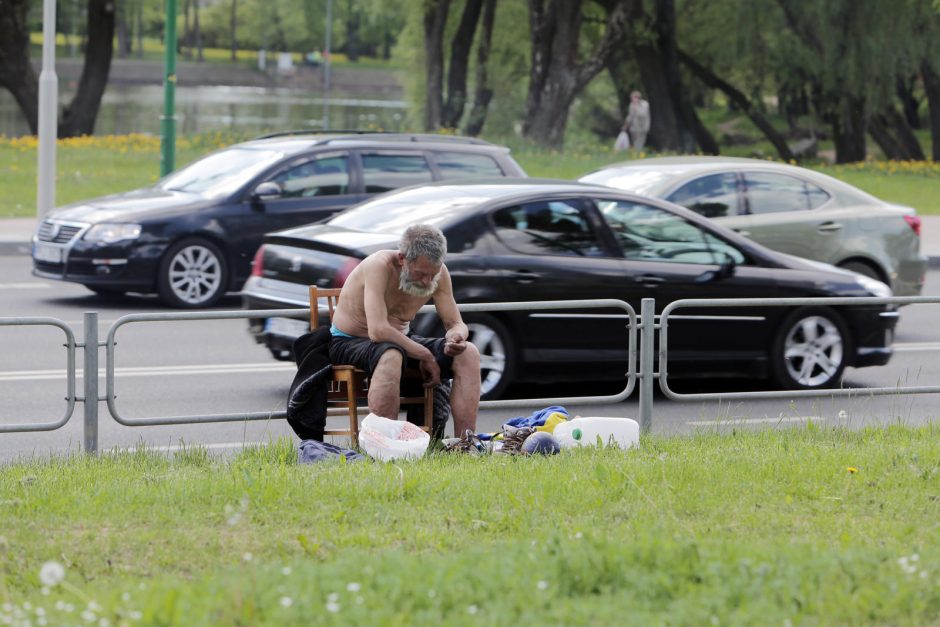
x: 423, y: 240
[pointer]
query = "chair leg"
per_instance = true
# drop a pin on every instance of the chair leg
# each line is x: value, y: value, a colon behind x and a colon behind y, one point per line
x: 429, y: 409
x: 353, y: 410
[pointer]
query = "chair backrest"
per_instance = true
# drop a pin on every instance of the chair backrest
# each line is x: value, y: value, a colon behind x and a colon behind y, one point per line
x: 332, y: 297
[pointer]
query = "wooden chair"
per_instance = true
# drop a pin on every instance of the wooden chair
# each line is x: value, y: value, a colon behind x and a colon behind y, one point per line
x: 350, y: 384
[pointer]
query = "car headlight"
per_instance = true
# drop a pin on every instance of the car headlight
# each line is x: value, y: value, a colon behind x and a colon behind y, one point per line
x: 111, y: 233
x: 877, y: 288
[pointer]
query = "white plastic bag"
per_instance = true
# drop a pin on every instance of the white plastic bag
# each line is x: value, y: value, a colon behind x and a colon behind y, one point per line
x: 622, y: 142
x: 385, y: 439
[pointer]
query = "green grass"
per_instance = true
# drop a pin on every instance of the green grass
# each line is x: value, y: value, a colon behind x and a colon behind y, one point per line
x: 806, y: 526
x: 94, y: 166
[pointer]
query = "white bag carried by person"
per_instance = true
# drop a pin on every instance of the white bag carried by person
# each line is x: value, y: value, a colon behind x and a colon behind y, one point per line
x: 385, y: 439
x: 622, y: 142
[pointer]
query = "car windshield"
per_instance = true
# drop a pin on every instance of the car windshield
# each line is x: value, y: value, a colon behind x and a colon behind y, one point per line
x: 220, y: 173
x: 638, y: 180
x: 396, y: 212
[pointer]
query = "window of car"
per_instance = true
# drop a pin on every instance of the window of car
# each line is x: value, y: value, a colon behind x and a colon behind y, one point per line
x: 222, y: 172
x: 713, y: 196
x: 322, y: 176
x: 556, y: 227
x: 768, y: 192
x: 648, y: 233
x: 462, y: 165
x: 382, y: 172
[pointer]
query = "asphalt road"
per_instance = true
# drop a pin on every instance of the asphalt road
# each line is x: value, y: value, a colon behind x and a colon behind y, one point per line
x: 212, y: 367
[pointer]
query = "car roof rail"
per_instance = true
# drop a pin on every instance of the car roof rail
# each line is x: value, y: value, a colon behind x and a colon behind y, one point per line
x: 346, y: 134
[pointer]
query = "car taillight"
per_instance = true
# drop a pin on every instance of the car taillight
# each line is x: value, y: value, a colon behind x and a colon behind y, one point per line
x: 343, y: 273
x: 257, y: 264
x: 914, y: 223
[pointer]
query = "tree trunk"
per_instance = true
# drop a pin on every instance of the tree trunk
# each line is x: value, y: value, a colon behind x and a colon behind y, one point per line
x: 459, y: 63
x: 123, y: 31
x: 905, y: 136
x: 185, y: 43
x: 482, y: 94
x: 353, y: 24
x: 909, y: 102
x: 665, y: 28
x: 556, y: 77
x: 878, y: 128
x: 848, y: 130
x: 664, y: 126
x: 79, y: 117
x: 197, y: 32
x: 139, y: 12
x: 932, y: 89
x: 233, y: 26
x: 435, y: 20
x: 16, y: 72
x: 742, y: 102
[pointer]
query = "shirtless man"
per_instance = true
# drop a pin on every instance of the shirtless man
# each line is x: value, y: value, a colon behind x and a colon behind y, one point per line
x: 371, y: 326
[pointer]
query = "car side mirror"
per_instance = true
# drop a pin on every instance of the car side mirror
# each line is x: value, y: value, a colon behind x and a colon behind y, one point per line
x: 269, y: 190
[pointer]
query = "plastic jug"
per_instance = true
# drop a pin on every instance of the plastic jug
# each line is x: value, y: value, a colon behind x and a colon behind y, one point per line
x: 583, y: 431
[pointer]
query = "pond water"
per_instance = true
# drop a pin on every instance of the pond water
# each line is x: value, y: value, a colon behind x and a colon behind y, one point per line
x: 138, y: 108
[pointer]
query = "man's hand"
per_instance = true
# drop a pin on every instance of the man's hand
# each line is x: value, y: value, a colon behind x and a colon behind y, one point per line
x: 454, y: 344
x: 430, y: 372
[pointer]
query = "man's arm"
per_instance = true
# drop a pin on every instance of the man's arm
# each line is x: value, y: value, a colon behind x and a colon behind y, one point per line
x: 457, y: 332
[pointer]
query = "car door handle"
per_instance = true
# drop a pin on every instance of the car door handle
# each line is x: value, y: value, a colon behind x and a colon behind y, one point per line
x: 743, y: 232
x: 828, y: 226
x: 649, y: 280
x: 524, y: 276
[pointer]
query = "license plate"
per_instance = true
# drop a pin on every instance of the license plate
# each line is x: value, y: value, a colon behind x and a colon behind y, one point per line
x: 287, y: 327
x: 47, y: 253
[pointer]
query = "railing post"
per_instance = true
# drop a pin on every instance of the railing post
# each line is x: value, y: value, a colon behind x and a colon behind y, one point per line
x: 90, y: 374
x: 646, y: 374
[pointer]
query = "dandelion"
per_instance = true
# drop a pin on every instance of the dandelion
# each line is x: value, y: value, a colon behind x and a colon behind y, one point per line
x: 126, y: 597
x: 247, y: 556
x: 45, y: 591
x: 51, y: 574
x: 542, y: 585
x: 843, y: 414
x: 332, y: 597
x: 352, y: 586
x: 432, y: 593
x: 472, y: 609
x: 332, y: 606
x: 89, y: 617
x: 578, y: 535
x: 286, y: 571
x: 852, y: 470
x: 286, y: 601
x: 135, y: 615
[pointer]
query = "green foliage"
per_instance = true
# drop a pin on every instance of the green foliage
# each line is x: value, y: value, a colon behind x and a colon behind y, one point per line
x: 805, y: 526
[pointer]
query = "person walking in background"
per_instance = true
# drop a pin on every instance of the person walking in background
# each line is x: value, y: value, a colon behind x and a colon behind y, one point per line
x: 638, y: 120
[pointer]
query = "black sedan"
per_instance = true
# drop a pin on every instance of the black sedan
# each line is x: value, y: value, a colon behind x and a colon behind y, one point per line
x: 191, y: 237
x: 539, y: 240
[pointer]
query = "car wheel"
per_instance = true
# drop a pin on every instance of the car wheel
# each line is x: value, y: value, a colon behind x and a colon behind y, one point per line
x: 193, y: 273
x: 497, y: 354
x: 810, y: 350
x: 865, y: 269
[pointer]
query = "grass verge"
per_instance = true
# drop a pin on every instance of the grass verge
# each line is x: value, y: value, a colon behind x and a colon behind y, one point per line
x: 806, y: 526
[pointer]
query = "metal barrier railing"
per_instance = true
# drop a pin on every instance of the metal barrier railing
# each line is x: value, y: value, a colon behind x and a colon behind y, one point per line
x: 110, y: 343
x: 69, y: 374
x: 780, y: 302
x: 646, y: 326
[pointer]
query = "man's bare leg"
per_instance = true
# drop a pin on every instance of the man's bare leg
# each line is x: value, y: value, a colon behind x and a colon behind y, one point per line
x: 465, y: 393
x: 385, y: 385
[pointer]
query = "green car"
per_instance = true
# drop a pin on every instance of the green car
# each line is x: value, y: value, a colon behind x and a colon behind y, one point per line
x: 787, y: 208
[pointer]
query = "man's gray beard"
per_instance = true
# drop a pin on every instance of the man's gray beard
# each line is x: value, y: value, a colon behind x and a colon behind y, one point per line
x: 411, y: 288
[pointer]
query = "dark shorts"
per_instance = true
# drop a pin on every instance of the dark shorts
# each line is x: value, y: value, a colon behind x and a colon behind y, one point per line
x: 365, y: 354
